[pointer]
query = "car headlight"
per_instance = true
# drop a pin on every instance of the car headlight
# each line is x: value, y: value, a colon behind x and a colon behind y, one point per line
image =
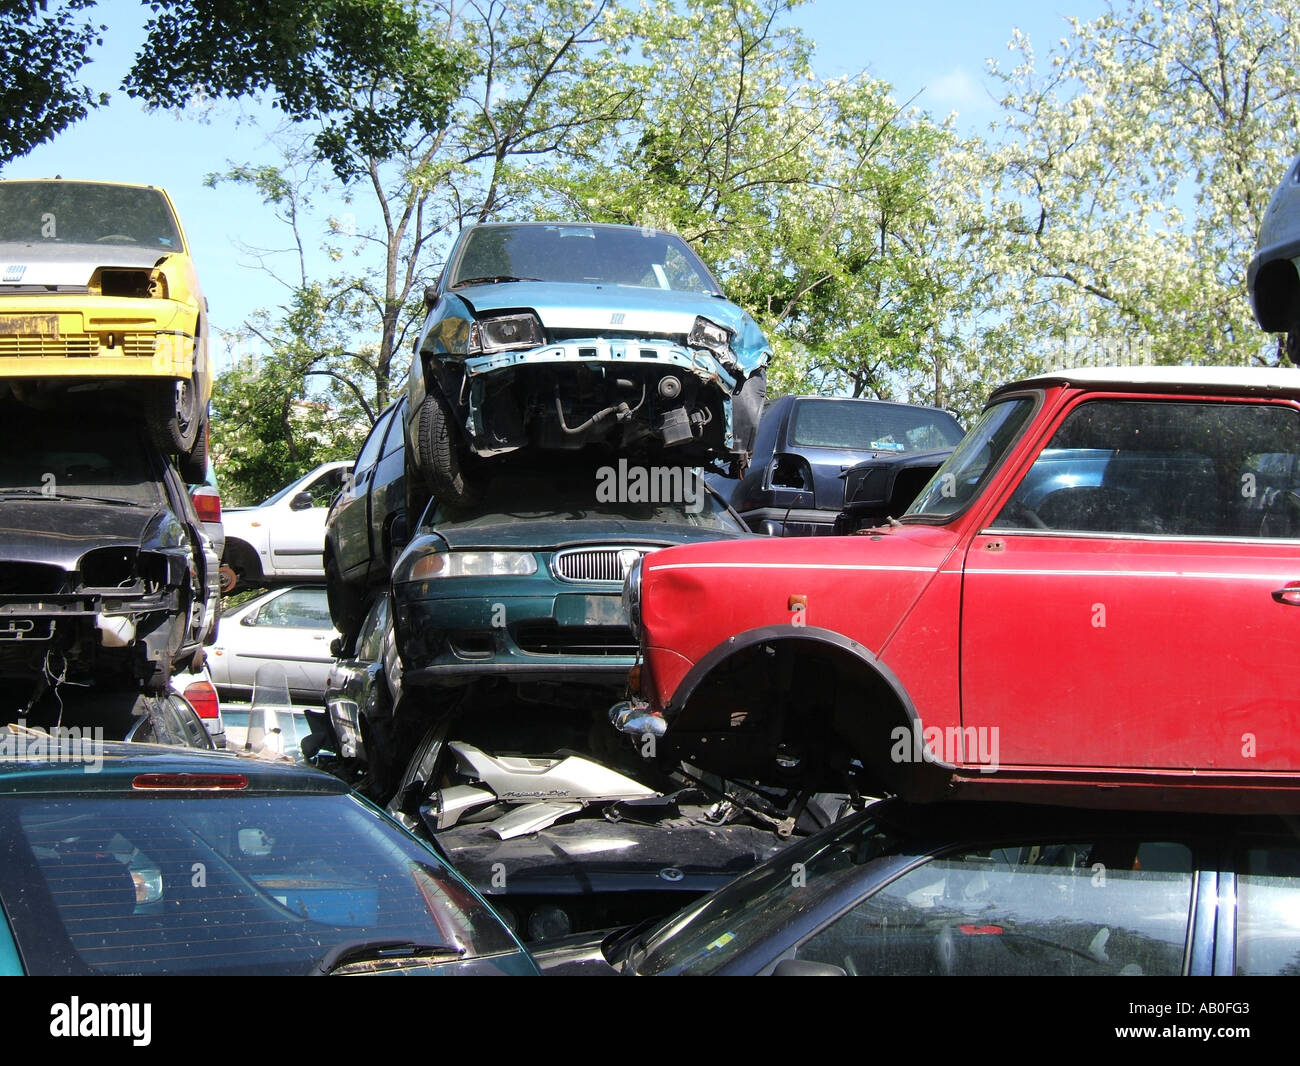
x: 711, y: 336
x: 632, y: 598
x: 473, y: 564
x: 503, y: 332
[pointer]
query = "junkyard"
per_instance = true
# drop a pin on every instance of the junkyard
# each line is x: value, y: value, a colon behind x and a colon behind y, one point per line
x: 645, y: 562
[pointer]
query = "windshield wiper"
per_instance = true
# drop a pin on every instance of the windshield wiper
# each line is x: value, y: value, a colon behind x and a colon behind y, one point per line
x: 490, y: 279
x: 377, y: 948
x: 37, y: 494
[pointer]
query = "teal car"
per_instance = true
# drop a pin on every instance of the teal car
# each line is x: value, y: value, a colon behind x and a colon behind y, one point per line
x: 138, y: 859
x: 526, y: 585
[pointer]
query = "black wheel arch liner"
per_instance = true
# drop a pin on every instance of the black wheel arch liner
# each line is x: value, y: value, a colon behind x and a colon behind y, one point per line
x: 786, y: 634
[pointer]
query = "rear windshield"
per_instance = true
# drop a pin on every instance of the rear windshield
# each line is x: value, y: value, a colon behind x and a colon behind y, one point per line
x: 222, y: 885
x: 76, y: 212
x: 859, y: 426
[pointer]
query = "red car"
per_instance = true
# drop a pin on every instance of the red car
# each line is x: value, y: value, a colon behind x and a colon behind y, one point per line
x: 1092, y: 601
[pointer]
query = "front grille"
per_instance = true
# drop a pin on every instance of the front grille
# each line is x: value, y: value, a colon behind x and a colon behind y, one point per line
x: 547, y: 638
x: 595, y: 564
x: 74, y: 345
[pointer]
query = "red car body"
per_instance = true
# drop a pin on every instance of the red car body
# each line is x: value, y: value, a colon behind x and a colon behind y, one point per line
x: 1018, y: 646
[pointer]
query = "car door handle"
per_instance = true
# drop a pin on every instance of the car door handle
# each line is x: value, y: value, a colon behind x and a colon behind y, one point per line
x: 1288, y: 594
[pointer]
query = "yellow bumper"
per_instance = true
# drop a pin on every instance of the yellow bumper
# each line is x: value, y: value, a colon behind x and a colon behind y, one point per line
x: 99, y: 337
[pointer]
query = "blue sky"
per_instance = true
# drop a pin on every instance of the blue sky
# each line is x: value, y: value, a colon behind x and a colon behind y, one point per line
x: 938, y: 48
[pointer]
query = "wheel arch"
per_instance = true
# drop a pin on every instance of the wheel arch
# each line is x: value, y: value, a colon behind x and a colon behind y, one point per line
x: 858, y: 698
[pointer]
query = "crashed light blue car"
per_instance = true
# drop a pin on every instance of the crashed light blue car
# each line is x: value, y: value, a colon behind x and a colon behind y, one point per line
x: 556, y: 336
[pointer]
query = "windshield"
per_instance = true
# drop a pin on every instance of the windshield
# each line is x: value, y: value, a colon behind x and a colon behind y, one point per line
x: 77, y: 212
x: 741, y: 914
x: 594, y: 255
x: 65, y: 458
x: 863, y: 426
x: 224, y: 884
x: 960, y: 479
x: 601, y: 495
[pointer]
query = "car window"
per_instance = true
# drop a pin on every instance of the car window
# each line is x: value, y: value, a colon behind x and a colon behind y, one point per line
x: 396, y: 439
x: 1116, y: 907
x: 371, y: 639
x: 74, y: 212
x: 1268, y: 911
x: 369, y: 453
x: 864, y: 426
x: 221, y: 884
x: 1165, y: 468
x: 86, y: 457
x: 298, y: 609
x: 324, y: 488
x: 613, y: 255
x: 959, y: 480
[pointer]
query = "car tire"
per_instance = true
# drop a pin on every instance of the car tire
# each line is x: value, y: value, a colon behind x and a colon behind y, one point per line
x: 173, y: 416
x: 437, y: 454
x: 193, y: 465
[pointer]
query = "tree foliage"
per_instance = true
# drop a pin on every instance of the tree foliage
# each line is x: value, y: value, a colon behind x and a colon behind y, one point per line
x: 43, y: 48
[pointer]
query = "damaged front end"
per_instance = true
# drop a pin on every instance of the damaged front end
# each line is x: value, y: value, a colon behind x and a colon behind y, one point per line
x: 121, y: 615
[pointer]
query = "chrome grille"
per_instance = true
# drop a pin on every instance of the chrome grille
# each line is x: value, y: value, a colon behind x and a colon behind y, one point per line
x: 595, y: 564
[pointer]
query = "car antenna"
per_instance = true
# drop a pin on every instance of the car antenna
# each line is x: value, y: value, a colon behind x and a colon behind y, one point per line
x: 797, y: 497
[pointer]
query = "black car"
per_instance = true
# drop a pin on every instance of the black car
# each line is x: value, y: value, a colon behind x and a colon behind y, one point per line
x: 988, y: 890
x: 806, y: 445
x: 368, y: 522
x: 106, y: 576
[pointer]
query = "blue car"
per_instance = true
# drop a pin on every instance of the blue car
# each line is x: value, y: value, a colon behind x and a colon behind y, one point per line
x: 140, y: 859
x: 818, y: 456
x: 558, y: 336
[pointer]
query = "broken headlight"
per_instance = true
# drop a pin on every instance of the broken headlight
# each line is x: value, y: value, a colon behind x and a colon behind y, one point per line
x: 713, y: 338
x: 504, y: 332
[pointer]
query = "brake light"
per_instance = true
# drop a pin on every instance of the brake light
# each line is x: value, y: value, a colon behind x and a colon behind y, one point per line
x: 207, y: 505
x: 203, y: 698
x: 189, y: 782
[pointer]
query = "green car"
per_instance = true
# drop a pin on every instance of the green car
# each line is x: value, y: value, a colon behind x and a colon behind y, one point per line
x: 139, y: 859
x: 526, y: 584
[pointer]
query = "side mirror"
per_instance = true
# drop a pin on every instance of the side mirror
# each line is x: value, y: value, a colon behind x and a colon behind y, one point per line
x: 336, y: 647
x: 249, y: 619
x: 430, y: 296
x: 302, y: 502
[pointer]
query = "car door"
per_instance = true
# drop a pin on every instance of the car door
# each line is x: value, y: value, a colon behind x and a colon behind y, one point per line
x: 297, y: 533
x: 292, y: 630
x: 1122, y: 607
x: 351, y: 528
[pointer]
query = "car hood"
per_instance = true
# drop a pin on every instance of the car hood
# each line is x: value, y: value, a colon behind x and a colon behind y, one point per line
x: 51, y: 263
x: 545, y: 535
x: 58, y: 532
x: 599, y: 309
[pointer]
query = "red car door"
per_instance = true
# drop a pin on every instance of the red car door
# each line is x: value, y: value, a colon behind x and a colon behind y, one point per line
x: 1123, y: 603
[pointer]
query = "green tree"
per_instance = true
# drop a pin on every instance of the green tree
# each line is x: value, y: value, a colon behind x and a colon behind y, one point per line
x: 43, y: 48
x: 1136, y: 165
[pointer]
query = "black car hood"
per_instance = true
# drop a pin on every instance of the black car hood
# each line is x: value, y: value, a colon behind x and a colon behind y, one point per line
x: 57, y: 531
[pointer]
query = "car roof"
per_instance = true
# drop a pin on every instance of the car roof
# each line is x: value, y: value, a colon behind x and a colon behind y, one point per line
x: 75, y: 766
x: 1234, y: 379
x: 59, y: 179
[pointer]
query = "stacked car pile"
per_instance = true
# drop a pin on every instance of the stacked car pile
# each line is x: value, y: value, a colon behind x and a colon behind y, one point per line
x: 108, y: 583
